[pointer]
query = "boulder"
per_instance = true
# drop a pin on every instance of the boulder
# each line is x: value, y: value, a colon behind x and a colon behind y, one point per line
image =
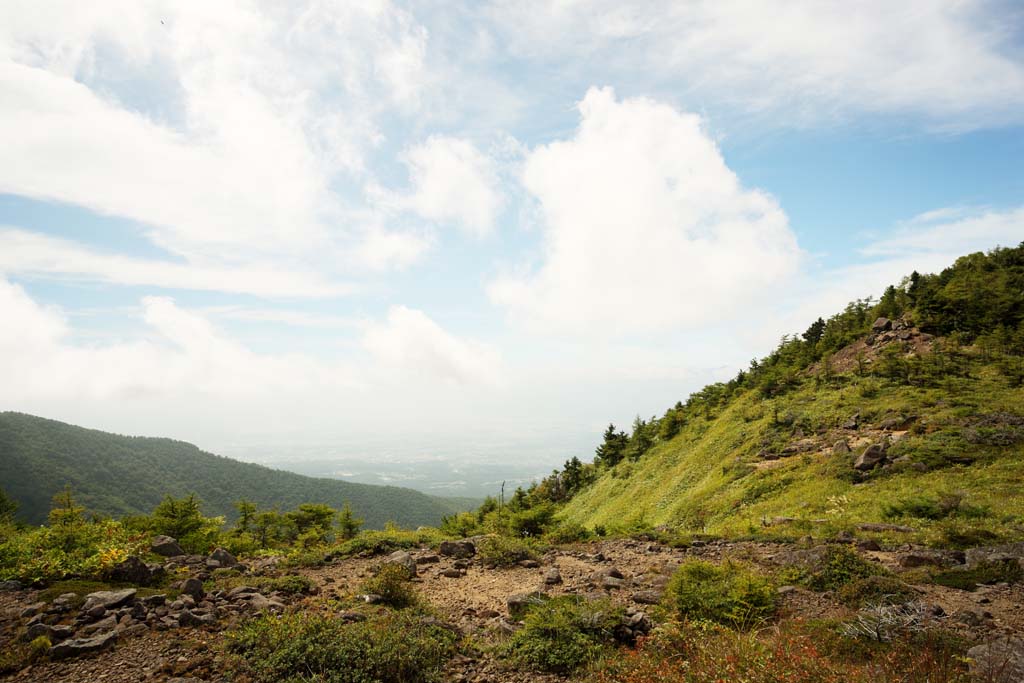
x: 881, y: 527
x: 223, y: 558
x: 132, y: 570
x: 853, y: 422
x: 451, y: 573
x: 872, y: 457
x: 459, y: 549
x: 109, y: 599
x: 611, y: 582
x: 519, y: 603
x: 10, y: 586
x: 194, y: 588
x: 428, y: 559
x: 80, y: 646
x: 188, y: 618
x: 881, y: 325
x: 402, y: 559
x: 840, y: 447
x: 931, y: 558
x: 651, y: 597
x: 166, y: 546
x: 552, y: 577
x: 998, y: 661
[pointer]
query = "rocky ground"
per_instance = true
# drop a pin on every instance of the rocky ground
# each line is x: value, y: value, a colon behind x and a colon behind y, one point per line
x: 174, y: 635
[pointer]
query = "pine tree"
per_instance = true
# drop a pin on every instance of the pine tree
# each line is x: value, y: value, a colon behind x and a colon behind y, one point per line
x: 348, y: 523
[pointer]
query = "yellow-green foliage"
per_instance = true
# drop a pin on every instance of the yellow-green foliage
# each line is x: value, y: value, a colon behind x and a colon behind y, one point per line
x: 729, y: 594
x: 707, y: 478
x: 43, y: 554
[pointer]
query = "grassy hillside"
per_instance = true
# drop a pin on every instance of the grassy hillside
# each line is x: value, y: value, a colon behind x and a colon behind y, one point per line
x: 121, y: 475
x: 939, y: 388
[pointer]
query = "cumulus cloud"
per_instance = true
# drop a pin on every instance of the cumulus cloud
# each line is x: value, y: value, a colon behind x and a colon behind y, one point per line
x: 412, y: 344
x: 953, y: 63
x: 453, y: 182
x: 221, y: 127
x: 644, y: 226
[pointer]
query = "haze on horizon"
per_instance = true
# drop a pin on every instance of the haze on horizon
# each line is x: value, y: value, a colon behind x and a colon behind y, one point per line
x: 472, y: 232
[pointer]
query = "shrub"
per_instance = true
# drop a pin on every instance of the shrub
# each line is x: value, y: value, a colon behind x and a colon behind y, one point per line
x: 564, y: 633
x: 501, y: 551
x: 388, y: 647
x: 391, y: 583
x: 983, y: 573
x: 935, y: 509
x: 875, y: 590
x: 727, y: 594
x: 567, y: 532
x: 839, y: 567
x: 533, y: 521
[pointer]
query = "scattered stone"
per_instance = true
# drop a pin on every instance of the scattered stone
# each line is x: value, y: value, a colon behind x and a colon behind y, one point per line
x: 97, y: 612
x: 193, y: 588
x: 80, y: 646
x: 402, y: 559
x: 853, y: 422
x: 648, y: 597
x: 930, y: 558
x: 459, y: 549
x: 189, y: 618
x: 109, y: 599
x: 841, y: 447
x: 876, y: 526
x: 869, y: 545
x: 428, y: 559
x: 881, y: 325
x: 518, y: 604
x: 611, y: 582
x: 166, y: 546
x: 552, y: 577
x: 872, y: 456
x: 529, y: 564
x: 451, y: 573
x: 786, y: 590
x: 223, y: 558
x: 132, y: 570
x: 998, y: 661
x: 32, y: 610
x: 10, y: 586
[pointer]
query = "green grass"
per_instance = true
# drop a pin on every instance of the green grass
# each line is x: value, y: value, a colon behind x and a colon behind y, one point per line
x: 563, y: 634
x: 388, y: 647
x: 704, y: 479
x: 727, y: 594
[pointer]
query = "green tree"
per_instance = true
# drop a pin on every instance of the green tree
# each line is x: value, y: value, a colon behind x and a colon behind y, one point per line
x: 348, y: 523
x: 8, y: 507
x: 67, y: 518
x: 267, y: 527
x: 313, y: 517
x: 246, y: 516
x: 613, y: 449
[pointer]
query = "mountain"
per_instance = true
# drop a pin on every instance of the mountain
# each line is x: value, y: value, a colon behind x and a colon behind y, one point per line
x: 906, y: 411
x: 125, y: 475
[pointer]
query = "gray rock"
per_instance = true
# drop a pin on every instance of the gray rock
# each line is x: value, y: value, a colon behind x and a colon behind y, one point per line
x: 132, y: 570
x: 190, y: 619
x: 10, y: 586
x: 611, y: 582
x: 193, y: 588
x: 402, y: 559
x: 840, y: 447
x: 101, y: 626
x: 552, y: 577
x: 868, y: 544
x: 648, y: 597
x: 32, y: 610
x: 529, y: 564
x: 459, y: 549
x: 428, y: 559
x: 80, y: 646
x: 38, y: 630
x: 451, y: 573
x: 872, y: 456
x: 223, y: 557
x: 519, y: 603
x: 881, y: 325
x: 166, y: 546
x: 878, y: 526
x: 109, y: 599
x: 241, y: 592
x: 930, y: 558
x: 96, y: 612
x: 998, y: 661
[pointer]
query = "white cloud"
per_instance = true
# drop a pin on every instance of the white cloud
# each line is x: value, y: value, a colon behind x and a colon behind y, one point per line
x: 453, y: 181
x: 221, y: 126
x: 412, y: 344
x: 951, y: 231
x: 954, y: 63
x: 645, y: 226
x: 31, y: 254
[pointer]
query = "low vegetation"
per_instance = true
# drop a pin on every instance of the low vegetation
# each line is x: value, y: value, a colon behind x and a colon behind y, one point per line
x: 563, y: 634
x: 727, y: 594
x: 387, y: 647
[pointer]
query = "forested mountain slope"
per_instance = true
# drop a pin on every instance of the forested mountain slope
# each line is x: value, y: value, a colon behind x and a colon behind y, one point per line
x: 123, y: 475
x: 907, y: 411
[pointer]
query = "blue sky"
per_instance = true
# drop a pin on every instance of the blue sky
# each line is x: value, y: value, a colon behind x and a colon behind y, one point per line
x: 244, y: 223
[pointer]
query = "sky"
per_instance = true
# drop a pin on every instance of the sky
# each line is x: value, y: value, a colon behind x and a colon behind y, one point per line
x: 470, y: 230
